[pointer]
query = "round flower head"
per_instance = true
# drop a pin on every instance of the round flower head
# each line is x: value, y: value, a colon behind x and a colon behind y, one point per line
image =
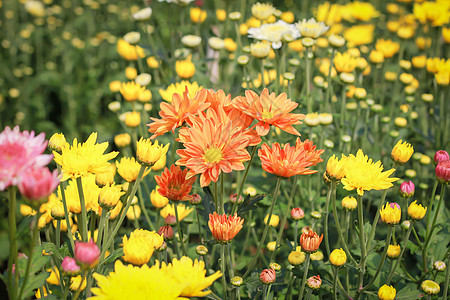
x: 237, y: 281
x: 268, y: 276
x: 440, y: 265
x: 416, y: 211
x: 393, y: 251
x: 441, y: 155
x: 430, y: 287
x: 38, y: 183
x: 224, y: 228
x: 336, y: 167
x: 338, y: 257
x: 201, y: 250
x: 86, y: 254
x: 402, y: 152
x: 391, y: 213
x: 311, y: 28
x: 166, y: 231
x: 274, y: 220
x: 58, y: 141
x: 443, y: 171
x: 262, y: 11
x: 314, y: 282
x: 386, y: 292
x: 157, y: 200
x: 349, y: 203
x: 274, y: 33
x: 310, y: 241
x: 69, y: 267
x: 407, y: 189
x: 148, y: 154
x: 109, y: 196
x: 138, y: 249
x: 128, y: 168
x: 296, y: 258
x: 174, y: 184
x: 297, y: 213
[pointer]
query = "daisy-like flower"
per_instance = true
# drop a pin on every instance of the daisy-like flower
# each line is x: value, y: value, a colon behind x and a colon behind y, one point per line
x: 128, y: 168
x: 179, y: 88
x: 138, y: 249
x: 275, y: 33
x: 212, y: 147
x: 262, y: 11
x: 363, y: 174
x: 224, y: 228
x: 81, y: 159
x: 311, y: 28
x: 191, y: 276
x: 269, y: 109
x: 133, y: 283
x: 18, y: 152
x: 131, y: 91
x: 336, y: 167
x: 169, y: 210
x: 173, y: 115
x: 174, y: 184
x: 149, y: 153
x: 289, y: 160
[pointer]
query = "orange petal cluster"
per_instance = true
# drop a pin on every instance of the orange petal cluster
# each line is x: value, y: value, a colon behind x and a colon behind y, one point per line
x: 310, y: 241
x: 269, y: 109
x: 174, y: 184
x: 289, y: 160
x: 224, y: 228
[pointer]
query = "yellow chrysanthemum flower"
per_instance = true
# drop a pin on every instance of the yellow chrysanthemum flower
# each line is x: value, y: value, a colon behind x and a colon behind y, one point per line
x: 359, y: 34
x: 402, y: 152
x: 387, y: 292
x: 131, y: 90
x: 138, y: 249
x: 361, y: 11
x: 149, y: 153
x: 179, y: 88
x: 416, y: 211
x: 364, y: 175
x: 157, y: 200
x: 128, y: 51
x: 274, y: 220
x: 75, y: 283
x: 81, y: 159
x: 129, y: 282
x: 344, y: 62
x: 90, y: 191
x: 393, y: 251
x: 169, y: 209
x: 57, y: 142
x: 262, y: 11
x: 128, y: 168
x: 190, y: 276
x: 185, y: 68
x: 391, y: 213
x: 106, y: 178
x: 387, y: 47
x: 109, y: 196
x: 336, y: 167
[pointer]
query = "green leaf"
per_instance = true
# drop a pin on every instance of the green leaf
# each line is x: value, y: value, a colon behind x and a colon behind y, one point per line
x: 115, y: 255
x: 408, y: 292
x: 412, y: 247
x: 35, y: 282
x: 250, y: 203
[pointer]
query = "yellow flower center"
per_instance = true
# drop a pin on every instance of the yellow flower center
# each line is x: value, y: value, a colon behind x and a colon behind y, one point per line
x: 213, y: 155
x: 267, y: 115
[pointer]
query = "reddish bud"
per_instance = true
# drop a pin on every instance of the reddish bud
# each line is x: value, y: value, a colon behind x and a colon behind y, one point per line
x: 441, y: 155
x: 268, y: 276
x: 297, y: 213
x: 166, y: 232
x: 407, y: 189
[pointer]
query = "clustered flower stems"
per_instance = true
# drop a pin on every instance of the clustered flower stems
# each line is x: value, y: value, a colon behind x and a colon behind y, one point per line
x: 12, y: 279
x: 266, y: 229
x: 362, y: 242
x: 84, y: 221
x: 399, y: 258
x: 180, y: 232
x: 305, y: 275
x: 223, y: 269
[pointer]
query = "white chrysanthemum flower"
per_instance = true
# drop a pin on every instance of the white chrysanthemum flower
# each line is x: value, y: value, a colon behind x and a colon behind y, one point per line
x: 143, y: 14
x: 191, y: 40
x: 311, y: 28
x: 262, y: 11
x: 274, y: 33
x: 132, y: 37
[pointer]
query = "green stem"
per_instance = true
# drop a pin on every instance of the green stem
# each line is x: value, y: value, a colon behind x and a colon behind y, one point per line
x: 430, y: 206
x: 283, y: 222
x: 338, y: 225
x: 101, y: 227
x: 84, y: 222
x: 295, y: 235
x: 123, y: 214
x: 362, y: 242
x: 222, y: 268
x: 241, y: 186
x: 12, y: 242
x: 30, y: 258
x: 344, y: 100
x: 262, y: 74
x: 66, y: 213
x: 308, y: 294
x: 335, y: 283
x: 308, y: 81
x: 144, y: 210
x: 58, y: 233
x: 327, y: 208
x: 447, y: 280
x: 305, y: 275
x: 199, y: 225
x: 266, y: 229
x: 330, y: 86
x: 79, y: 289
x: 392, y: 272
x: 180, y: 232
x: 289, y: 289
x: 383, y: 258
x: 375, y: 220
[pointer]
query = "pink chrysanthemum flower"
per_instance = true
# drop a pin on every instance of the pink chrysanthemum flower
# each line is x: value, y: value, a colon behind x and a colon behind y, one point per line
x: 20, y: 151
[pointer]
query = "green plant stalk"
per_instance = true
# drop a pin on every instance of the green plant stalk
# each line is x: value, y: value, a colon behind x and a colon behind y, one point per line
x: 308, y: 81
x: 77, y: 294
x: 392, y: 272
x: 123, y: 214
x: 84, y: 221
x: 12, y: 242
x: 262, y: 74
x: 309, y: 294
x: 221, y: 200
x: 430, y: 206
x: 290, y: 283
x: 335, y: 278
x: 338, y: 225
x: 266, y: 229
x: 30, y: 258
x: 344, y: 101
x: 330, y: 86
x: 223, y: 269
x: 447, y: 280
x: 58, y: 233
x: 144, y: 210
x: 241, y: 186
x: 327, y: 209
x: 305, y: 275
x: 101, y: 227
x: 362, y: 243
x: 180, y: 232
x: 295, y: 235
x: 346, y: 229
x: 199, y: 226
x: 383, y: 258
x: 375, y: 220
x: 283, y: 222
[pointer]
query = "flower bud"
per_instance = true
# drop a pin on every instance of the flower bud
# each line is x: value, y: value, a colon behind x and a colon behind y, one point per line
x: 402, y: 152
x: 405, y: 224
x: 237, y: 281
x: 275, y: 266
x: 109, y: 196
x: 416, y: 211
x: 430, y: 287
x: 201, y: 250
x: 314, y: 282
x: 338, y: 257
x: 166, y: 232
x: 443, y: 171
x: 268, y: 276
x: 439, y: 265
x: 391, y: 213
x: 296, y: 258
x: 69, y: 267
x: 349, y: 203
x: 58, y: 141
x: 310, y: 241
x: 170, y: 220
x: 393, y: 251
x: 196, y: 199
x: 297, y: 213
x: 386, y: 292
x: 316, y: 214
x: 441, y: 155
x: 241, y: 199
x: 58, y: 212
x: 407, y: 189
x: 86, y: 254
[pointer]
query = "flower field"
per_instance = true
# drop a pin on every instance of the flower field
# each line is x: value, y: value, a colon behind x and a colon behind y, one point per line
x: 224, y: 149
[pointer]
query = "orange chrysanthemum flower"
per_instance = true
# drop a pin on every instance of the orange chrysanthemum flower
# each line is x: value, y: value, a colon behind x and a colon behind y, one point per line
x: 224, y: 228
x: 212, y: 147
x: 289, y: 160
x: 174, y: 114
x: 174, y: 184
x: 310, y: 241
x: 269, y: 109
